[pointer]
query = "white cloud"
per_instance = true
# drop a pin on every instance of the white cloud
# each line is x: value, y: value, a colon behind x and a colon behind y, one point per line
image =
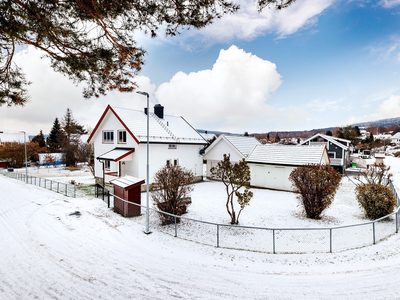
x: 52, y: 93
x: 389, y: 3
x: 232, y: 94
x: 389, y: 108
x: 248, y: 24
x: 327, y: 105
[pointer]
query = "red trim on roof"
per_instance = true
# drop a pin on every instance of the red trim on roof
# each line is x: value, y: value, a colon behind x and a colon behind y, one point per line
x: 125, y: 155
x: 119, y: 119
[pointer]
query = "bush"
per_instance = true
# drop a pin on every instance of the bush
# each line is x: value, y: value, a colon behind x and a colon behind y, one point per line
x: 171, y: 190
x: 317, y: 186
x: 377, y: 200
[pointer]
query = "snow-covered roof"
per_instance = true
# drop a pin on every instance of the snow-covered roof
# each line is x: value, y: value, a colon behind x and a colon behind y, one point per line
x: 169, y: 129
x: 127, y: 181
x: 116, y: 154
x: 396, y: 136
x: 329, y: 138
x: 243, y: 144
x: 288, y: 155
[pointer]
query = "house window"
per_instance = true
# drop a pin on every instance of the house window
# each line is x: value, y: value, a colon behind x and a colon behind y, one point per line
x: 107, y: 164
x: 176, y: 162
x: 332, y: 154
x: 168, y: 163
x: 172, y: 146
x: 122, y: 136
x: 108, y: 137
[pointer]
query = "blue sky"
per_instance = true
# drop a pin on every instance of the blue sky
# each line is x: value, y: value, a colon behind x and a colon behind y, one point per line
x: 317, y: 64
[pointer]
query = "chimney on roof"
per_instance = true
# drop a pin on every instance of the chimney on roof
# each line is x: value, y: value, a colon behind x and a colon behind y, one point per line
x: 159, y: 111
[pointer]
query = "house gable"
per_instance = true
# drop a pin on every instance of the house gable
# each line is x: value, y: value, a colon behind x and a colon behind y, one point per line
x: 110, y: 110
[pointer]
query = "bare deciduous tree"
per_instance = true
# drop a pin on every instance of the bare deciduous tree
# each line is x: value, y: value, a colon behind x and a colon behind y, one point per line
x: 171, y: 190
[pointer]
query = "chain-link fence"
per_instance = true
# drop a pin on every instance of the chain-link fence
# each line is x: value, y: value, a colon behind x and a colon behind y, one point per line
x: 274, y: 240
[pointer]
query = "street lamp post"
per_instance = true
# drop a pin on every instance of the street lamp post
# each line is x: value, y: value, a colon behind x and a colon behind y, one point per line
x: 26, y: 161
x: 147, y: 166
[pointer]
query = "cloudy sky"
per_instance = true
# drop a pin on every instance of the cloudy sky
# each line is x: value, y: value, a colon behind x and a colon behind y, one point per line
x: 317, y: 64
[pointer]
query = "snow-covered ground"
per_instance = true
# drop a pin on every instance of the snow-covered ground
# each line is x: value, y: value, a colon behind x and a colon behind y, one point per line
x: 48, y: 252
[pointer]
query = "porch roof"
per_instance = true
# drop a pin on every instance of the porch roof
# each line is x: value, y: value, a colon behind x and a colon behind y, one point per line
x: 117, y: 154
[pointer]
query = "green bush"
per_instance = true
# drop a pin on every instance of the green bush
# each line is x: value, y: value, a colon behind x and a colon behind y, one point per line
x: 377, y: 200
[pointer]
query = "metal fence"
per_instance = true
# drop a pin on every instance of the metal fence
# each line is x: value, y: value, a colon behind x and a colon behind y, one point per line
x: 276, y: 240
x: 59, y: 187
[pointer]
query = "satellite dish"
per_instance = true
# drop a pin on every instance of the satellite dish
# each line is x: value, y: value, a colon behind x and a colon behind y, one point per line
x: 202, y: 152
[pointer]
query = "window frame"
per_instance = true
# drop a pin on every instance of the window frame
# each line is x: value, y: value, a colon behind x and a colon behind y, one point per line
x: 109, y: 140
x: 118, y: 134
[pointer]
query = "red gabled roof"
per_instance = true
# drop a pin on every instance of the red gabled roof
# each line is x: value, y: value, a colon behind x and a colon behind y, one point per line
x: 119, y: 119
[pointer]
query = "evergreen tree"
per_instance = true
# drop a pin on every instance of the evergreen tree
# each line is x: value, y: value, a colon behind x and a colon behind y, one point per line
x: 246, y: 133
x: 71, y: 143
x: 329, y: 133
x: 56, y: 137
x: 39, y: 139
x: 277, y: 138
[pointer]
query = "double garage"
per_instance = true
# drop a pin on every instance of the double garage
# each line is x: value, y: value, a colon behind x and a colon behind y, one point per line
x: 271, y: 165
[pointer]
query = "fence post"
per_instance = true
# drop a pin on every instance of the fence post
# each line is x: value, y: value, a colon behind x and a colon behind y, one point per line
x: 373, y: 230
x: 273, y: 241
x: 397, y: 221
x: 58, y: 187
x: 330, y: 237
x: 217, y: 235
x: 108, y: 199
x: 176, y: 228
x: 66, y: 189
x: 74, y: 190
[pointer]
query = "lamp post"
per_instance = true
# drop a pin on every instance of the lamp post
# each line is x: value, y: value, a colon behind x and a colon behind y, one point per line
x: 147, y: 166
x: 26, y: 161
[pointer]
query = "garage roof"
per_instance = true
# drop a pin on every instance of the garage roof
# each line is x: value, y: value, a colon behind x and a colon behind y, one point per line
x: 289, y: 155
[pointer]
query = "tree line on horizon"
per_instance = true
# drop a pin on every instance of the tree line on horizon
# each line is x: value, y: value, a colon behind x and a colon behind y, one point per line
x: 64, y: 138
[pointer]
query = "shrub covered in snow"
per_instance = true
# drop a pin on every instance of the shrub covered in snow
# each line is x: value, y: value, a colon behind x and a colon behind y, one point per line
x: 316, y: 186
x: 376, y: 199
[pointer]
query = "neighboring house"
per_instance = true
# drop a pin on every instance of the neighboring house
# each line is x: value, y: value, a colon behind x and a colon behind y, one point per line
x: 395, y: 138
x: 271, y: 165
x: 338, y: 149
x: 120, y: 144
x: 239, y: 147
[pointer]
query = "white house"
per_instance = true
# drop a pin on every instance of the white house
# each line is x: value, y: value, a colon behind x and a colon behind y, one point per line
x: 239, y: 147
x: 271, y: 165
x: 120, y: 144
x: 395, y: 138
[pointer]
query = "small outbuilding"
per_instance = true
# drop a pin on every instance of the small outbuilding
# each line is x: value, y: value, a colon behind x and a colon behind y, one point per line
x: 271, y: 165
x: 127, y: 189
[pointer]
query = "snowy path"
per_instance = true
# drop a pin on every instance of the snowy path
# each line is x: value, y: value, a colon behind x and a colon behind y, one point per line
x: 45, y: 253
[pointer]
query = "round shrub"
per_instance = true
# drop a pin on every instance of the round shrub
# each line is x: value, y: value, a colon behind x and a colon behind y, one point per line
x: 316, y: 186
x: 377, y: 200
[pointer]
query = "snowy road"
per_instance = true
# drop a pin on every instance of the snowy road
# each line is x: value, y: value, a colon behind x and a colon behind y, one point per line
x: 46, y: 253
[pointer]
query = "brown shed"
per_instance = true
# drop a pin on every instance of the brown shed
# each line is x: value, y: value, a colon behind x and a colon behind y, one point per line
x: 127, y: 188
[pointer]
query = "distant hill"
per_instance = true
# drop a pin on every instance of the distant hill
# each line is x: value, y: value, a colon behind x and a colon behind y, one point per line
x: 304, y: 133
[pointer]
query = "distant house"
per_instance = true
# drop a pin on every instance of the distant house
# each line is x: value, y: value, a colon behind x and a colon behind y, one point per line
x: 239, y: 147
x: 120, y: 139
x: 338, y: 149
x: 395, y: 138
x: 271, y: 165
